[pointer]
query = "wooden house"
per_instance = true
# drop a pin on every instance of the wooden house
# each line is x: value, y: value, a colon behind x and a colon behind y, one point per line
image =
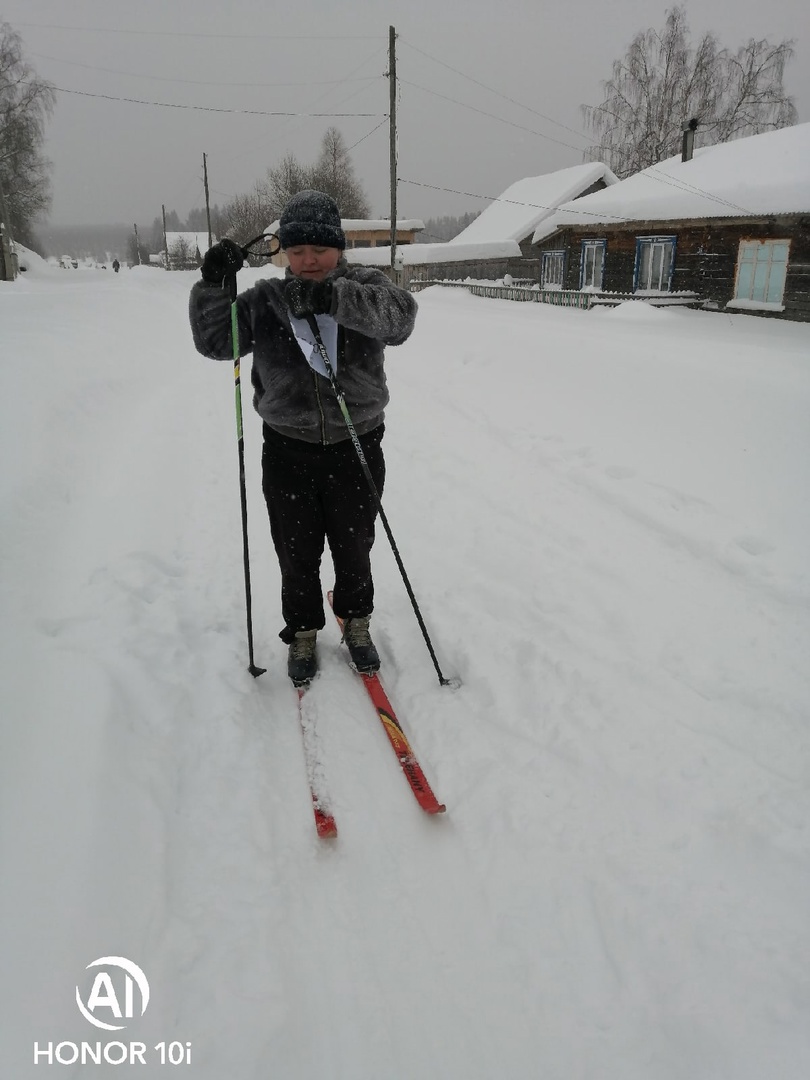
x: 727, y: 229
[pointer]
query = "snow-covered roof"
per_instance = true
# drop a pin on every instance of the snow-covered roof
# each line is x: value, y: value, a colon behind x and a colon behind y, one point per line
x: 417, y: 254
x: 369, y: 224
x: 518, y: 212
x: 761, y: 174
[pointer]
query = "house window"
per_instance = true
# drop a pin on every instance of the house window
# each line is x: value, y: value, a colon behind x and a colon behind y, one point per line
x: 592, y: 266
x: 552, y: 270
x: 655, y: 261
x: 761, y: 270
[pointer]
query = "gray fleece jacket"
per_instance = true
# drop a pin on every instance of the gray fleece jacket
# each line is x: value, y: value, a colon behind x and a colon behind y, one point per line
x: 290, y: 397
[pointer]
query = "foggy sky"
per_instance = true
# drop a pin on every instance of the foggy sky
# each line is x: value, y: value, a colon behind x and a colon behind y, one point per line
x: 117, y: 161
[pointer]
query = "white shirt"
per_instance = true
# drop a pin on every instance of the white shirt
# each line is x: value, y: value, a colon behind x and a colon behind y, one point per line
x: 328, y: 328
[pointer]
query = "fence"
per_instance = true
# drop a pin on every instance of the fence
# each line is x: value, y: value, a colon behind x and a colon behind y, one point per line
x: 570, y: 298
x: 560, y: 297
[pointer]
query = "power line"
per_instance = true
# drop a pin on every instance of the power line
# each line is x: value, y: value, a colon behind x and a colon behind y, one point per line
x: 375, y: 128
x: 601, y: 214
x: 512, y: 202
x: 198, y: 34
x: 498, y: 93
x: 492, y: 116
x: 205, y: 108
x: 203, y: 82
x: 654, y: 174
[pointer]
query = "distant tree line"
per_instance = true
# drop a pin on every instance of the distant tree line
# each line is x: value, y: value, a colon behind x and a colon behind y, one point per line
x: 440, y: 229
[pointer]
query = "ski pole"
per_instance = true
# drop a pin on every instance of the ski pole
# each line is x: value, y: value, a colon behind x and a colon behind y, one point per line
x: 240, y: 441
x: 313, y: 325
x: 264, y: 246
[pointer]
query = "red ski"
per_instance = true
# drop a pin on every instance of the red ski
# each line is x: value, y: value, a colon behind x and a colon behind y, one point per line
x: 398, y: 739
x: 324, y: 820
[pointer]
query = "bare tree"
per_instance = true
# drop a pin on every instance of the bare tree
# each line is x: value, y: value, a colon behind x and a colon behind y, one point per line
x: 334, y: 173
x: 181, y: 255
x: 753, y: 93
x: 284, y: 181
x: 25, y: 103
x: 248, y: 216
x: 662, y: 82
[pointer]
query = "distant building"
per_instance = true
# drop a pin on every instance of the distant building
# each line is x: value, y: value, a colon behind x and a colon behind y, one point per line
x: 366, y: 233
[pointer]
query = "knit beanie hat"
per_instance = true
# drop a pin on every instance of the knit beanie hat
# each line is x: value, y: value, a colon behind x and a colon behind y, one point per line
x: 311, y: 217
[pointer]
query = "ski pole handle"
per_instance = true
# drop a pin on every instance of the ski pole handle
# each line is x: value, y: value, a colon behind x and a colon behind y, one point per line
x: 230, y: 284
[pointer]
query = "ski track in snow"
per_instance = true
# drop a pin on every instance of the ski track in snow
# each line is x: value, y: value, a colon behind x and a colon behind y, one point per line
x: 583, y: 502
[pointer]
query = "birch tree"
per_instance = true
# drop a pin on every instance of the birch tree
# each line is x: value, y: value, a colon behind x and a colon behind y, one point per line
x: 663, y: 82
x: 26, y: 101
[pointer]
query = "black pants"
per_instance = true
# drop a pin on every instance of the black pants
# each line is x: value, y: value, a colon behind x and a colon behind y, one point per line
x: 316, y: 493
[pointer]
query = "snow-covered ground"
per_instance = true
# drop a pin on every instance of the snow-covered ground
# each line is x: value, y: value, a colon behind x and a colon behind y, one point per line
x: 605, y: 517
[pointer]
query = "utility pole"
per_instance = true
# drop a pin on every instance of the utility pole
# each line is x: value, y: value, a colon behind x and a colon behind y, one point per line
x: 207, y: 204
x: 165, y: 241
x: 137, y: 244
x: 392, y: 115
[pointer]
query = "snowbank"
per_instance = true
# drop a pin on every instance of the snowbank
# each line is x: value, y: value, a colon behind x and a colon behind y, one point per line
x: 29, y: 262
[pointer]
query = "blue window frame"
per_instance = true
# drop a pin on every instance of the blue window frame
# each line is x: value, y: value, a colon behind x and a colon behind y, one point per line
x: 592, y: 264
x: 655, y: 263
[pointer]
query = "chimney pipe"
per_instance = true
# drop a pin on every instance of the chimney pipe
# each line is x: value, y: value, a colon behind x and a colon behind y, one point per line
x: 688, y: 143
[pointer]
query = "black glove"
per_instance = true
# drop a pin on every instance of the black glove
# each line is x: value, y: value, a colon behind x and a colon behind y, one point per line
x: 305, y: 297
x: 221, y: 261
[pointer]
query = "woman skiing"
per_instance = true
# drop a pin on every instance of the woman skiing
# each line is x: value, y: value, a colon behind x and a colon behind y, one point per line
x: 312, y: 479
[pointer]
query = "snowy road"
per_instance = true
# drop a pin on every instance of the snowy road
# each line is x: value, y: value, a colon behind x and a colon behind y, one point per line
x: 604, y: 516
